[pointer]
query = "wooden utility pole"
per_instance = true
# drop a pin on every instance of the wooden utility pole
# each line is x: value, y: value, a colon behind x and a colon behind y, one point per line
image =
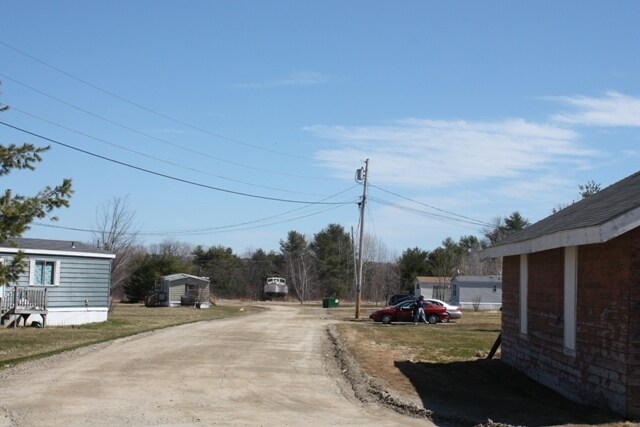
x: 361, y: 175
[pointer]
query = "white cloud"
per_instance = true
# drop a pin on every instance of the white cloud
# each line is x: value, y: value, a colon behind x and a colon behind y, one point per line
x: 298, y: 78
x: 613, y: 109
x: 432, y: 153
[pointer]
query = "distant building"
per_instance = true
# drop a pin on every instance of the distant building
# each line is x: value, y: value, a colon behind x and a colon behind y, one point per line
x: 433, y: 287
x: 476, y: 292
x: 183, y: 289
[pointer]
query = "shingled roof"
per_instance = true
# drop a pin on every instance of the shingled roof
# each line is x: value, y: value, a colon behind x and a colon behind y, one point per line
x: 44, y: 246
x: 596, y: 219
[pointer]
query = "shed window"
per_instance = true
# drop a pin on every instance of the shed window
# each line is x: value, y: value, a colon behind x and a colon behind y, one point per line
x: 44, y: 272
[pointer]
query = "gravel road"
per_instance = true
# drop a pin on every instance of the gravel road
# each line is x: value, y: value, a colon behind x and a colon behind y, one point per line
x: 275, y: 368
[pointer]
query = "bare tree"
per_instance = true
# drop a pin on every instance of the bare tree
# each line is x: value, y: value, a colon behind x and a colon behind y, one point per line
x: 115, y: 232
x: 473, y: 264
x: 298, y: 264
x: 182, y: 250
x: 381, y: 273
x: 382, y: 280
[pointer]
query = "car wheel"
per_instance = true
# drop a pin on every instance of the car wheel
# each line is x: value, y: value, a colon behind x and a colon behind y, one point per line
x: 386, y: 319
x: 432, y: 318
x: 446, y: 318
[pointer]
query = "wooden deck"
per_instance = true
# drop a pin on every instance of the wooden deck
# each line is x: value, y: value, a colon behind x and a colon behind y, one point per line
x: 20, y: 302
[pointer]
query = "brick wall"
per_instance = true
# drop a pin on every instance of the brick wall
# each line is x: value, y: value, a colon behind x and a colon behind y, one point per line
x: 603, y: 321
x: 604, y: 369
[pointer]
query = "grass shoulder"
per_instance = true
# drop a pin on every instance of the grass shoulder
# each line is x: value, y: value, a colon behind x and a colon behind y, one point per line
x: 443, y: 368
x: 22, y: 344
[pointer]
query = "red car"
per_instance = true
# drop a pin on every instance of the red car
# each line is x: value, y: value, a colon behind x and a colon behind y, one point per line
x: 403, y: 312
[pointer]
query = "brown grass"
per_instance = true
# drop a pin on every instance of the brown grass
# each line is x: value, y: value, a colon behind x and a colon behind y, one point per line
x: 20, y: 344
x: 443, y: 368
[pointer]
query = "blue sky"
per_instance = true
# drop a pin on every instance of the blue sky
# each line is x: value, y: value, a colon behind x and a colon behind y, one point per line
x: 232, y: 122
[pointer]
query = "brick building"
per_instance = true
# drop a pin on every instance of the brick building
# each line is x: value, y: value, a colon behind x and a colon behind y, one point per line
x: 571, y: 299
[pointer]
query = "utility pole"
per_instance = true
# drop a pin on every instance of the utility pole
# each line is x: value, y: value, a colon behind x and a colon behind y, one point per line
x: 355, y: 258
x: 361, y: 175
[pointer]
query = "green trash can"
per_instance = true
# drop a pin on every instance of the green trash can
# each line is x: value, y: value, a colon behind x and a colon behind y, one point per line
x: 330, y: 302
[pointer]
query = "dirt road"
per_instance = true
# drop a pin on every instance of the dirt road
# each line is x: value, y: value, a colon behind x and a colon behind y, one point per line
x: 270, y: 369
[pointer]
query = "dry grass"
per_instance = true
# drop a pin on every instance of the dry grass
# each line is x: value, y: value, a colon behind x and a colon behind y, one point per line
x: 444, y: 369
x: 20, y: 344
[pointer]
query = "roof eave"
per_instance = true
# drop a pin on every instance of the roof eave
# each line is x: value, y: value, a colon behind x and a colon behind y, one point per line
x: 575, y: 237
x: 57, y: 253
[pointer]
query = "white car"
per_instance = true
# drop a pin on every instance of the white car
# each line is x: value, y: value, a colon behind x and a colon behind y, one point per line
x: 454, y: 311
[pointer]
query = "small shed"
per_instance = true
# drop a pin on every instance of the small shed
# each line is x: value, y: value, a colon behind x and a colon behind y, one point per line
x: 477, y: 292
x: 183, y: 289
x: 433, y: 287
x: 571, y: 299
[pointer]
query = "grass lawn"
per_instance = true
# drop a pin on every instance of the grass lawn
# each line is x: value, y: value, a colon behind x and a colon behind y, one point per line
x: 21, y: 344
x: 443, y: 368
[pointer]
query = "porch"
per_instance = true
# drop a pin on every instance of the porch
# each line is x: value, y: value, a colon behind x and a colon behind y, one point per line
x: 19, y: 302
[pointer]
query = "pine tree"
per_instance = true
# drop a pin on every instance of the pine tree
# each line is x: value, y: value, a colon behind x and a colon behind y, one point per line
x: 17, y: 212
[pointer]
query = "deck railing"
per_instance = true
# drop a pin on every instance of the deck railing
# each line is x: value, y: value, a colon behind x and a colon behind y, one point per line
x: 23, y: 298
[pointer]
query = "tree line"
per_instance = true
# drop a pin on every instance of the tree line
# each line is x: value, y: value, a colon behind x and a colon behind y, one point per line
x: 318, y: 266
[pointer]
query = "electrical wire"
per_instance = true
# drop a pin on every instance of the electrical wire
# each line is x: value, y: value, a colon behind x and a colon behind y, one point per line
x: 463, y: 218
x: 138, y: 132
x: 199, y: 232
x: 147, y: 109
x: 439, y: 217
x: 103, y: 141
x: 185, y: 181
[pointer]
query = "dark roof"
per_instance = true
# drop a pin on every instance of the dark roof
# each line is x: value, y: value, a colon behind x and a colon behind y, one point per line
x: 614, y: 204
x: 52, y: 245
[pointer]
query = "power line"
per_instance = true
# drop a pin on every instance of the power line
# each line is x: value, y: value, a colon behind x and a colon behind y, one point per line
x: 142, y: 107
x: 13, y: 108
x: 203, y: 231
x: 168, y: 176
x: 424, y: 213
x: 130, y: 129
x: 466, y: 218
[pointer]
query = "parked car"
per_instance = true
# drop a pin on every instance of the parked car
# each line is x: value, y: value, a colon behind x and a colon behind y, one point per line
x: 396, y: 298
x: 403, y: 312
x: 455, y: 311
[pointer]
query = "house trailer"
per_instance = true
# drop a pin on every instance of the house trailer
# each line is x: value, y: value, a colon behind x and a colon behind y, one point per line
x: 433, y: 287
x: 65, y: 283
x: 183, y: 289
x: 476, y: 292
x: 571, y: 299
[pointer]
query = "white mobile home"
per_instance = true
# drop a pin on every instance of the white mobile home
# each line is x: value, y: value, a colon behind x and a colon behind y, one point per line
x: 477, y: 292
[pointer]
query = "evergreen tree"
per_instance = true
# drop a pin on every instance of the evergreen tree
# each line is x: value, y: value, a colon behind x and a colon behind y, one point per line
x: 413, y: 263
x: 147, y: 271
x: 334, y: 259
x: 17, y: 212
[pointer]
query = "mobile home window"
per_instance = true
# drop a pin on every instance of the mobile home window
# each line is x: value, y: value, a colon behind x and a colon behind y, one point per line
x: 44, y: 273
